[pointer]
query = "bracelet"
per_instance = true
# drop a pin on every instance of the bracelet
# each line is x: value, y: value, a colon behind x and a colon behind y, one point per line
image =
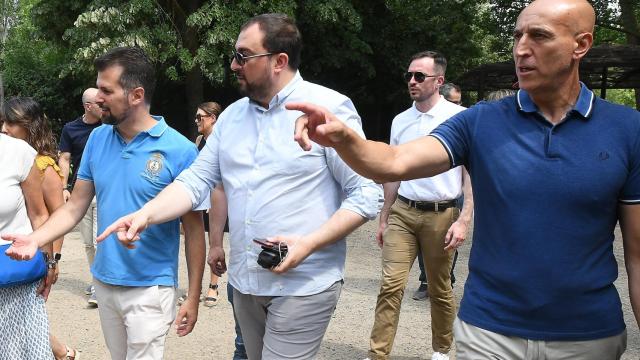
x: 51, y: 263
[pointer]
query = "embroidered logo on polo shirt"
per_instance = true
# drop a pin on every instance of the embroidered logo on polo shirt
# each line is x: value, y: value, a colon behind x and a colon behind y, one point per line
x: 603, y: 155
x: 154, y: 166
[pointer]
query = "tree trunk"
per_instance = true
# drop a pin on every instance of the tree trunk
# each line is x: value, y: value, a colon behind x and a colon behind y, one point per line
x: 630, y: 23
x: 194, y: 81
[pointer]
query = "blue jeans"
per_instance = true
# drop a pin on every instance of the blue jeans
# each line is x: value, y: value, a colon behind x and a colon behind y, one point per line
x: 239, y: 353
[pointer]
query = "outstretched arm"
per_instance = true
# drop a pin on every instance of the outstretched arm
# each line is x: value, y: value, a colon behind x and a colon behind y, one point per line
x: 420, y: 158
x: 630, y: 226
x: 170, y: 203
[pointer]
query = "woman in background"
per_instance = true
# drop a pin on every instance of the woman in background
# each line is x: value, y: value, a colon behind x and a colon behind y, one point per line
x: 24, y: 119
x: 206, y: 116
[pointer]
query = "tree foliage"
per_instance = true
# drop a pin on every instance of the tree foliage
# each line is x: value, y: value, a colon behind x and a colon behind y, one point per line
x: 358, y: 47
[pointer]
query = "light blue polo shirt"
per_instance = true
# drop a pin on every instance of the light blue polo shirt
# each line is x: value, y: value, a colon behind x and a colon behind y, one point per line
x: 546, y: 197
x: 126, y: 176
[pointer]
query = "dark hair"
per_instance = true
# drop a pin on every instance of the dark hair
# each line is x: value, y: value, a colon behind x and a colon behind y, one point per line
x: 447, y: 88
x: 27, y: 113
x: 439, y: 61
x: 281, y: 35
x: 137, y: 69
x: 211, y: 108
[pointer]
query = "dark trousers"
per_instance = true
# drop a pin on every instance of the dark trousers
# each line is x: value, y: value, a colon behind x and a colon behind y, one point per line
x: 239, y: 353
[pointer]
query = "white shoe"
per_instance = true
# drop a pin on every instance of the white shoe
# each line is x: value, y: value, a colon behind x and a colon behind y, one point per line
x: 439, y: 356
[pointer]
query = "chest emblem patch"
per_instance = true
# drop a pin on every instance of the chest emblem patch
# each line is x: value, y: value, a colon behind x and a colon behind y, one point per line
x: 154, y: 166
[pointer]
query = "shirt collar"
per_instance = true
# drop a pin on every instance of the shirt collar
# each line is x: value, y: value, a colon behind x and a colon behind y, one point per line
x: 283, y: 94
x: 156, y: 130
x: 583, y: 106
x: 438, y: 108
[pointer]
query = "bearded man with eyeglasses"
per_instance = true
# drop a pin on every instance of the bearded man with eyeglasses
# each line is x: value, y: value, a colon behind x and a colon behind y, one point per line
x: 308, y: 200
x: 419, y: 217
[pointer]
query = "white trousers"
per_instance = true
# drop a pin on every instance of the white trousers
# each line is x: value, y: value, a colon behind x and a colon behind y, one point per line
x: 135, y: 320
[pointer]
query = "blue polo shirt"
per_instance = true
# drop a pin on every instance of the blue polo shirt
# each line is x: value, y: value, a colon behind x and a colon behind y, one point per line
x: 546, y: 196
x: 126, y: 176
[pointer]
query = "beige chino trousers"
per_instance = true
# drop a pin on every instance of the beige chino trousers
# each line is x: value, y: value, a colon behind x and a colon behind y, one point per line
x: 408, y: 228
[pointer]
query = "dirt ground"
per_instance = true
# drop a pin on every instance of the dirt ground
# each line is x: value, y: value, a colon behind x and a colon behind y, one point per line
x: 348, y: 334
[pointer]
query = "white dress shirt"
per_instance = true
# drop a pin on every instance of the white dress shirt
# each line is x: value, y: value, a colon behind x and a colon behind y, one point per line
x: 274, y: 187
x: 412, y: 124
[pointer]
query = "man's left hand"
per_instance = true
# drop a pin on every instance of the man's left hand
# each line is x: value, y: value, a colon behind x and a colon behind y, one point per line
x: 298, y: 248
x: 187, y: 316
x: 456, y: 235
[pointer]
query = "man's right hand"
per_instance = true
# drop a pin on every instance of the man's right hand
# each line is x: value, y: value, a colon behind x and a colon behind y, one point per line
x: 216, y: 260
x: 318, y: 125
x: 24, y: 247
x: 66, y: 195
x: 127, y: 228
x: 379, y: 234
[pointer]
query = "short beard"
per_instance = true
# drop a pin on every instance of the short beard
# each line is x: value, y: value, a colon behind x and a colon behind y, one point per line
x: 115, y: 121
x: 111, y: 120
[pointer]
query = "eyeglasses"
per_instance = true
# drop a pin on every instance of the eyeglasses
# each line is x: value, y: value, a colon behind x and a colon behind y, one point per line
x: 241, y: 58
x: 420, y: 77
x: 199, y: 117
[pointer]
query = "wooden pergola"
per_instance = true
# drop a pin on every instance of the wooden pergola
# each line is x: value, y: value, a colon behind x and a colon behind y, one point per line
x: 604, y: 67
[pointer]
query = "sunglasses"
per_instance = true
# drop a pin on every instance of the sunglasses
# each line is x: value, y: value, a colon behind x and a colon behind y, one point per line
x: 420, y: 77
x: 241, y: 58
x: 199, y: 117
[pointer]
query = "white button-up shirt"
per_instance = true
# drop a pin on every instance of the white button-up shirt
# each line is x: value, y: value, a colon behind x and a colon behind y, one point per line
x: 274, y: 187
x: 412, y: 124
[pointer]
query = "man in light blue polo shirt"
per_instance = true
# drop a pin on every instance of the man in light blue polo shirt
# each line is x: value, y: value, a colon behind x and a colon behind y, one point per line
x: 553, y: 169
x: 126, y: 162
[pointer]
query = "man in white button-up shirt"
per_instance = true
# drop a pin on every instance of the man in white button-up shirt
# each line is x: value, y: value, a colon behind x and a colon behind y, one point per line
x: 310, y: 200
x: 419, y: 217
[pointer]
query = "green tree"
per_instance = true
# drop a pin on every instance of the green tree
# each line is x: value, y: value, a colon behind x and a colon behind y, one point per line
x: 359, y: 47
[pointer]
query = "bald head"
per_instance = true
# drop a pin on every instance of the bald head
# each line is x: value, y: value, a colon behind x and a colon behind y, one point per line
x: 89, y: 95
x: 577, y: 15
x: 92, y: 112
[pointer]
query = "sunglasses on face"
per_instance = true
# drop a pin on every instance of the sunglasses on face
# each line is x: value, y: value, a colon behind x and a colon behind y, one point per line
x: 241, y: 58
x: 420, y: 77
x: 199, y: 117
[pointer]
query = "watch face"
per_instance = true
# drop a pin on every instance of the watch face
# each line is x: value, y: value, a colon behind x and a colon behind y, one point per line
x: 57, y: 256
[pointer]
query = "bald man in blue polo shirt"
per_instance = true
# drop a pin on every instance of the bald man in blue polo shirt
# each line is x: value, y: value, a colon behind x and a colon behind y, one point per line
x: 553, y: 169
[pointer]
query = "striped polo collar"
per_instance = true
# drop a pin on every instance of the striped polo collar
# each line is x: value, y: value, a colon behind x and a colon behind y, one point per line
x: 583, y: 106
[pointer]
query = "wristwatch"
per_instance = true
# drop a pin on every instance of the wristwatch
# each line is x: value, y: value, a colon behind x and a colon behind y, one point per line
x: 51, y: 263
x: 57, y: 256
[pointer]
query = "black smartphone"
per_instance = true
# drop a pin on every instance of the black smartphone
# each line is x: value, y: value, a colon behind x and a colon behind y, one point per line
x: 264, y: 243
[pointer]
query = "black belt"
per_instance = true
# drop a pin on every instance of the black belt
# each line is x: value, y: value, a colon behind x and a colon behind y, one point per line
x: 428, y: 205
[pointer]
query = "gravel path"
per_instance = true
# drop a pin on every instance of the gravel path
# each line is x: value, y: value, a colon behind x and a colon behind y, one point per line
x: 348, y: 334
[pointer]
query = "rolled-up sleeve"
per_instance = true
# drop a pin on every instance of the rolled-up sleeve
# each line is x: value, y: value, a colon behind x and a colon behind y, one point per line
x: 203, y: 174
x: 362, y: 195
